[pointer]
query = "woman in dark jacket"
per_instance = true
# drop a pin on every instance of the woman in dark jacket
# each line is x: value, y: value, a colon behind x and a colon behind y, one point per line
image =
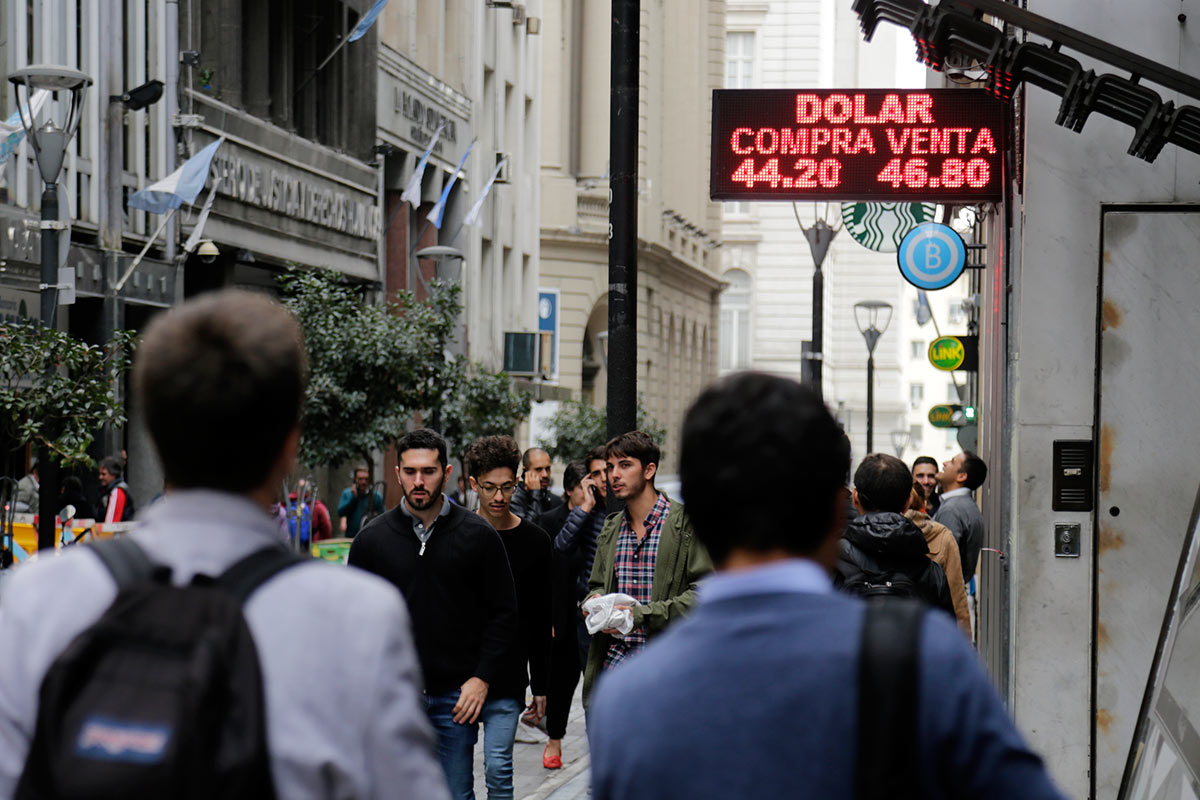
x: 882, y: 552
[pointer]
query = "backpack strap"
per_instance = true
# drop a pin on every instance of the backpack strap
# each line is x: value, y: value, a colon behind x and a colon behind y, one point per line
x: 256, y: 569
x: 887, y: 698
x: 125, y: 559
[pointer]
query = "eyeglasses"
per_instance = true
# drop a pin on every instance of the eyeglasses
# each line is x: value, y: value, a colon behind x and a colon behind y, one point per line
x: 490, y: 489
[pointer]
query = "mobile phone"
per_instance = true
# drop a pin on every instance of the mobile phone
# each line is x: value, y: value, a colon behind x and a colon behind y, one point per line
x: 596, y: 495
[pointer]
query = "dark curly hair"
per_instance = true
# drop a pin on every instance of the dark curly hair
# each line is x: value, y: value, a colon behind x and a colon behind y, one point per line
x: 493, y: 452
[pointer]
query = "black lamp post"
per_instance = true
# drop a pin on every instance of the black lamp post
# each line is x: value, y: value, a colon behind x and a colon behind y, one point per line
x: 872, y: 318
x: 49, y: 143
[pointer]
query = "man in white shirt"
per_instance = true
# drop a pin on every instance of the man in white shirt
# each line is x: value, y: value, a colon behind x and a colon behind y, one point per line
x: 221, y: 382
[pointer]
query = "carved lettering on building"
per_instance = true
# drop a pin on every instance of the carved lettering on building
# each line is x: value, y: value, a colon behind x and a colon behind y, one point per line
x: 284, y: 192
x: 426, y: 118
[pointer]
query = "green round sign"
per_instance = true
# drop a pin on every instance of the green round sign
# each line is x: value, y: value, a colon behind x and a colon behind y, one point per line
x: 947, y: 353
x: 883, y: 226
x: 942, y: 416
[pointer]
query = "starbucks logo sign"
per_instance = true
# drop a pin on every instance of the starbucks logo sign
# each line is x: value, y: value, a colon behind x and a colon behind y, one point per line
x: 882, y: 226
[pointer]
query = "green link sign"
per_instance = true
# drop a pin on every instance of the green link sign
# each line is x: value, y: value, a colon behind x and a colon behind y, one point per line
x: 943, y: 416
x: 947, y: 353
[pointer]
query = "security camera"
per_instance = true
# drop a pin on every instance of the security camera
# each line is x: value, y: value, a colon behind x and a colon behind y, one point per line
x: 207, y: 251
x: 142, y: 96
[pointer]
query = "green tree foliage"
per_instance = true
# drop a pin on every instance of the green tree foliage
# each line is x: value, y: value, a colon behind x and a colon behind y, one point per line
x: 577, y: 427
x: 56, y: 391
x: 375, y: 366
x: 484, y: 404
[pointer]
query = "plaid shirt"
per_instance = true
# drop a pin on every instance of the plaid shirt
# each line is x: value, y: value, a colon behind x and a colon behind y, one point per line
x: 634, y: 565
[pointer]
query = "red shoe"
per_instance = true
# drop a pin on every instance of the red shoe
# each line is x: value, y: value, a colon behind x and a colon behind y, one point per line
x: 551, y: 762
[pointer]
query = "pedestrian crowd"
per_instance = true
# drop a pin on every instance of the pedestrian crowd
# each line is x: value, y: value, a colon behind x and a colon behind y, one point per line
x: 808, y: 643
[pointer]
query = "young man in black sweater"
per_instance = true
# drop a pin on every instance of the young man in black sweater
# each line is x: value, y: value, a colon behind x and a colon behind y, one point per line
x: 451, y: 567
x: 492, y: 462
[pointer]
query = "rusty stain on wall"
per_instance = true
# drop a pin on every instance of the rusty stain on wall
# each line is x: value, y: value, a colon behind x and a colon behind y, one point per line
x: 1108, y: 436
x: 1110, y: 315
x: 1104, y: 719
x: 1110, y: 539
x: 1101, y: 636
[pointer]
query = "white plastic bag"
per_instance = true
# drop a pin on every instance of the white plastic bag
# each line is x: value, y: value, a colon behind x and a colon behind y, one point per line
x: 602, y: 614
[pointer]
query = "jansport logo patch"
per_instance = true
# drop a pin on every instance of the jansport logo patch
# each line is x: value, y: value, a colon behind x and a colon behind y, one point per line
x: 107, y: 739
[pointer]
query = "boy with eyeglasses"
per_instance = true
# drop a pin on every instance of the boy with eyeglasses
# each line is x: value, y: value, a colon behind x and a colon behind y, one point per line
x: 492, y: 463
x: 452, y: 569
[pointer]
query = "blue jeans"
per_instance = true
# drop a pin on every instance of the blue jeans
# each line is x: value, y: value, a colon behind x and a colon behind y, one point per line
x: 456, y: 744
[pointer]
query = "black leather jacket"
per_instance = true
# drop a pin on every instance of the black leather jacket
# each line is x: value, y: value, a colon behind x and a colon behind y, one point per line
x: 532, y: 505
x: 880, y: 542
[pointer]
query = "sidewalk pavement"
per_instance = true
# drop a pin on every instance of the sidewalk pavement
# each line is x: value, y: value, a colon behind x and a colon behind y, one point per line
x: 532, y: 781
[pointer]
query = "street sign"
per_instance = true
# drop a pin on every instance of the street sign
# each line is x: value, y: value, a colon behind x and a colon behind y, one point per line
x: 951, y: 415
x: 943, y: 416
x: 887, y: 145
x: 932, y: 256
x: 955, y: 352
x: 882, y: 226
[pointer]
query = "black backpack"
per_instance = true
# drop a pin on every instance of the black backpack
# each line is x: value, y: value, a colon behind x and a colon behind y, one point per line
x: 890, y: 583
x: 162, y: 696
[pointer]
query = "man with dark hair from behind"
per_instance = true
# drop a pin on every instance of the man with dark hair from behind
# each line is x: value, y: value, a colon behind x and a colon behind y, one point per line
x: 882, y: 549
x: 225, y: 374
x: 773, y: 650
x: 451, y: 567
x: 647, y: 552
x: 924, y: 472
x: 958, y: 478
x: 492, y: 462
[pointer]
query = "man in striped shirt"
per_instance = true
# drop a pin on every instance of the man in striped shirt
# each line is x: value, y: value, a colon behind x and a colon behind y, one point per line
x: 116, y: 503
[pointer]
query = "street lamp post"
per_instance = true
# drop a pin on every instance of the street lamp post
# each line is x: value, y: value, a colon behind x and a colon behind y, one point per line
x: 440, y: 253
x: 900, y: 440
x: 49, y: 144
x: 872, y: 318
x: 819, y: 235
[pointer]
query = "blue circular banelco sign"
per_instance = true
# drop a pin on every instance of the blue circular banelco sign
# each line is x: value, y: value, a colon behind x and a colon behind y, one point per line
x: 932, y: 256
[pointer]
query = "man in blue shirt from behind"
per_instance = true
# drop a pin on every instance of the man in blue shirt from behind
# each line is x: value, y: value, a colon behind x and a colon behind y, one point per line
x: 756, y: 693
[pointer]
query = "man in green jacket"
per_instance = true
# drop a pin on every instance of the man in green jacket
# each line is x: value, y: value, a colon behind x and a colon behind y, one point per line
x: 647, y: 552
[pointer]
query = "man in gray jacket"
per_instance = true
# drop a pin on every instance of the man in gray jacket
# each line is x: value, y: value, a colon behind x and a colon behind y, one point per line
x: 217, y: 376
x: 960, y: 476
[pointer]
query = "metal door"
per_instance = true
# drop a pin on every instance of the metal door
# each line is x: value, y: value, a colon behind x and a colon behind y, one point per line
x: 1149, y: 462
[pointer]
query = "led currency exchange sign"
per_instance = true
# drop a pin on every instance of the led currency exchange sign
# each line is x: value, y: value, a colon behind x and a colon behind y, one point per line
x: 857, y: 144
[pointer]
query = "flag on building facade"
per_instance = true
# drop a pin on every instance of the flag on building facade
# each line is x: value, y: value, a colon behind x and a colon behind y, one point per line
x: 198, y: 231
x: 368, y: 19
x: 412, y: 192
x: 473, y: 215
x: 924, y: 312
x: 12, y: 131
x: 181, y: 186
x: 435, y: 216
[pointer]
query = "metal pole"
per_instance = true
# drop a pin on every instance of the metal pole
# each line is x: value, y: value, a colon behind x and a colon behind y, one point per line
x: 47, y: 473
x: 817, y: 355
x: 623, y: 233
x: 870, y: 402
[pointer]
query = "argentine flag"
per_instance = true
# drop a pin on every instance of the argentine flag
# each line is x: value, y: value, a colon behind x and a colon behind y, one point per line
x: 181, y: 186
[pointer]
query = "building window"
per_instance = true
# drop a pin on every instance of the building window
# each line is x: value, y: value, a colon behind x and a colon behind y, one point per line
x: 916, y: 394
x: 735, y: 321
x: 958, y: 314
x: 736, y: 210
x: 739, y: 59
x: 918, y: 348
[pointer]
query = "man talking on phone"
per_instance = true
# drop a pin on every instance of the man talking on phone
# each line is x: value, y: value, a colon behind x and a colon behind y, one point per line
x: 577, y: 537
